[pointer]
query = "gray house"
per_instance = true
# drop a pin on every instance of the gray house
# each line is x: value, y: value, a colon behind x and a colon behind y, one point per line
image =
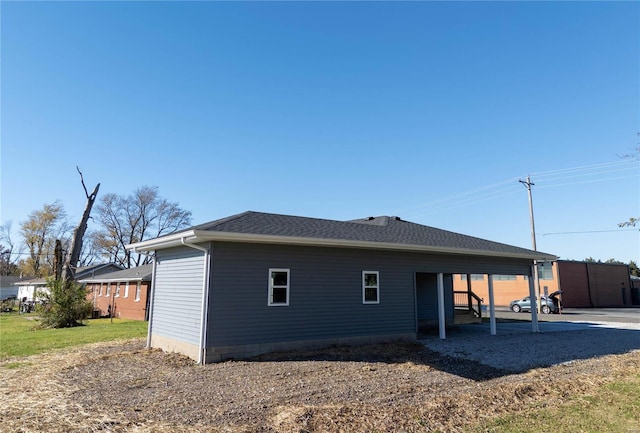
x: 257, y: 282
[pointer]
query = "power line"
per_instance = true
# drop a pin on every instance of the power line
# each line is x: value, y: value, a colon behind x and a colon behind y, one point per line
x: 588, y: 181
x: 590, y: 231
x: 542, y: 174
x: 570, y: 176
x: 544, y: 179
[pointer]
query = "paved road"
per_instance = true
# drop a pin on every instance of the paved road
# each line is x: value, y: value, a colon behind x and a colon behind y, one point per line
x: 622, y: 315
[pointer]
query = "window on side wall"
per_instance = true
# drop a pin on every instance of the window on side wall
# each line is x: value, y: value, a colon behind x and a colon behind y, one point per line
x: 108, y: 289
x: 278, y: 287
x: 100, y: 291
x: 138, y: 291
x: 545, y: 271
x: 504, y: 277
x: 474, y: 277
x: 117, y: 290
x: 370, y: 287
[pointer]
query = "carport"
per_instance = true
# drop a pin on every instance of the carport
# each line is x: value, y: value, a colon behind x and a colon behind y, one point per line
x: 444, y: 291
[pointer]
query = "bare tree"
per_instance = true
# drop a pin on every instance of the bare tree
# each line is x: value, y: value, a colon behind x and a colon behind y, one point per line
x: 89, y: 253
x: 39, y: 232
x: 73, y: 255
x: 9, y: 254
x: 7, y: 267
x: 134, y: 218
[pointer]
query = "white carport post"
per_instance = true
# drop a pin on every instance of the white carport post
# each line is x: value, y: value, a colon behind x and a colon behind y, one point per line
x: 492, y: 306
x: 534, y: 300
x: 441, y: 311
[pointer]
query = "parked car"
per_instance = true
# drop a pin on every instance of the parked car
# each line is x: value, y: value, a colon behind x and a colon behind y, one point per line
x: 548, y: 304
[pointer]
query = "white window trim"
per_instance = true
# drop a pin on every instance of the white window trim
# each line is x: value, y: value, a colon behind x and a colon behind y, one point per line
x: 108, y: 293
x: 270, y: 293
x: 138, y: 290
x: 377, y: 287
x: 100, y: 291
x: 126, y: 290
x: 117, y: 290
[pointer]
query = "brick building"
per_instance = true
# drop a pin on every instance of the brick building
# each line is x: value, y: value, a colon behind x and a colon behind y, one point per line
x: 123, y: 294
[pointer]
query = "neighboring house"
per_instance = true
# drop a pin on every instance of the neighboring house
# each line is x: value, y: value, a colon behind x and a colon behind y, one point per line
x: 583, y: 284
x: 27, y: 289
x: 257, y: 282
x: 8, y: 286
x: 95, y: 270
x: 123, y: 293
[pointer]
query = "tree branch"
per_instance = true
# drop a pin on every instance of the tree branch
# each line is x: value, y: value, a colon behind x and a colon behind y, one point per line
x: 86, y: 193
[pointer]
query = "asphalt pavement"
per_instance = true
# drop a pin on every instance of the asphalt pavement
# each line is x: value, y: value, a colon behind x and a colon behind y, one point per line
x: 620, y: 315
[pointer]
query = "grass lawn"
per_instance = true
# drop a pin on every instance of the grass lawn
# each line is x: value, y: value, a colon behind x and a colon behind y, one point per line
x: 611, y: 408
x: 19, y: 338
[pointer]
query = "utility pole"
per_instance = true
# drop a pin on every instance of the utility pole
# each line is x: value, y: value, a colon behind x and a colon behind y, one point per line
x: 536, y: 282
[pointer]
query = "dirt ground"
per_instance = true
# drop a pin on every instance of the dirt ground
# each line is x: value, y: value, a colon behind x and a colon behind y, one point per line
x: 122, y: 387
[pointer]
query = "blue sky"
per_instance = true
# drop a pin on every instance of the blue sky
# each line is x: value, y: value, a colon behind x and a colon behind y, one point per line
x: 431, y: 111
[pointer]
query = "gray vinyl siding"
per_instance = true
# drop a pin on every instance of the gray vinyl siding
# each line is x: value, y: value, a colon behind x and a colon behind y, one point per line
x: 325, y: 291
x: 177, y: 300
x: 427, y: 297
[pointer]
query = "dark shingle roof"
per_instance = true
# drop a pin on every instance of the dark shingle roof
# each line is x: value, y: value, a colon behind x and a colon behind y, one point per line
x: 142, y: 273
x: 96, y: 269
x: 383, y: 229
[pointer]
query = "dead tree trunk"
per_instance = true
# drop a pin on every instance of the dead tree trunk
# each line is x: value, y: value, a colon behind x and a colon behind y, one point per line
x: 57, y: 260
x: 73, y: 255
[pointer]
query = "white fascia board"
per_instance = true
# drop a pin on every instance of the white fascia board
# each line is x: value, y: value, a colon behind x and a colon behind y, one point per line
x: 196, y: 236
x: 163, y: 242
x: 109, y: 280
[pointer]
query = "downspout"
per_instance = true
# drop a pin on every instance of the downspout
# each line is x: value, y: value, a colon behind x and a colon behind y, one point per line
x: 205, y: 300
x: 152, y: 292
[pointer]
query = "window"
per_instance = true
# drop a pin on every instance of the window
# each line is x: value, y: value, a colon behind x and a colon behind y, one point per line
x: 545, y: 271
x: 474, y: 277
x: 117, y: 290
x: 108, y: 290
x: 278, y: 287
x: 126, y: 289
x: 504, y: 278
x: 370, y: 287
x: 100, y: 292
x: 138, y: 291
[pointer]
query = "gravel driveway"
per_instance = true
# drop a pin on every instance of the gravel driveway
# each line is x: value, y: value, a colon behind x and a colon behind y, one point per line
x: 515, y: 348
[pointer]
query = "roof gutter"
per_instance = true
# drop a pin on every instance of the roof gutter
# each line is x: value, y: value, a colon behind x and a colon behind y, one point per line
x: 205, y: 299
x: 112, y: 280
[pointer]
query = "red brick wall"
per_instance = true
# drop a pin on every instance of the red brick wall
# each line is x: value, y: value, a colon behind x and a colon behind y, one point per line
x: 586, y: 285
x: 125, y: 307
x: 574, y: 284
x: 606, y: 282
